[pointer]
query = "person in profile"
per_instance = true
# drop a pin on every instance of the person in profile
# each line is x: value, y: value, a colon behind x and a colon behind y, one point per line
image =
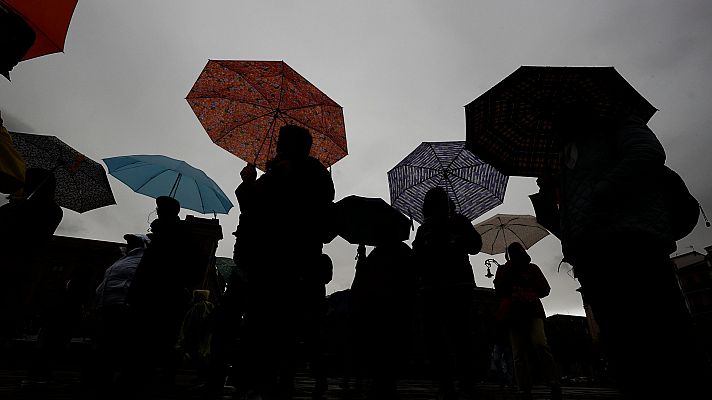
x: 441, y: 248
x: 28, y: 223
x: 285, y: 223
x: 520, y: 284
x: 383, y: 292
x: 616, y: 232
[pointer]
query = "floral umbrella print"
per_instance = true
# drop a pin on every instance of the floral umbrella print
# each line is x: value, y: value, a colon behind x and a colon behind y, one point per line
x: 242, y: 105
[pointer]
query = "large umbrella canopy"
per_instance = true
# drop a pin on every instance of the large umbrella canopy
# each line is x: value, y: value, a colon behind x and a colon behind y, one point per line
x: 48, y: 18
x: 510, y: 125
x: 475, y: 186
x: 156, y: 175
x: 369, y: 221
x: 81, y: 182
x: 502, y: 230
x: 242, y: 105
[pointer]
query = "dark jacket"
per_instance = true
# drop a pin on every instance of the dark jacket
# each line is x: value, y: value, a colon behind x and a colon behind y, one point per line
x: 441, y: 249
x: 283, y: 215
x: 520, y: 285
x: 609, y: 190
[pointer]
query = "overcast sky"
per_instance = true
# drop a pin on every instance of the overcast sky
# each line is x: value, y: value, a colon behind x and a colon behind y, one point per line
x: 402, y: 70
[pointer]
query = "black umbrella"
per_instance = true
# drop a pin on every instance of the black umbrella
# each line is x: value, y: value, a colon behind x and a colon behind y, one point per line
x: 510, y: 125
x: 475, y: 186
x: 369, y: 221
x: 82, y: 184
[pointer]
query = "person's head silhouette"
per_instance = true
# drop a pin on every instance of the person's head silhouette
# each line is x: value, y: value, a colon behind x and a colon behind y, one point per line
x: 516, y: 253
x: 436, y: 203
x: 167, y: 207
x: 294, y: 142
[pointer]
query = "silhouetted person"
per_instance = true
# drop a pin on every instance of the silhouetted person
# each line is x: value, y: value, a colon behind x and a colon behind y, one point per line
x: 615, y: 231
x: 158, y: 295
x: 285, y: 225
x: 312, y: 309
x: 382, y: 293
x: 27, y: 223
x: 114, y: 327
x: 59, y: 319
x: 16, y: 38
x: 520, y: 284
x: 195, y: 333
x: 441, y: 247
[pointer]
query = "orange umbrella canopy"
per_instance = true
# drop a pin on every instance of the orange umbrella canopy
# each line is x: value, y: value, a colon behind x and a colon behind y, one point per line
x: 48, y: 18
x: 242, y: 105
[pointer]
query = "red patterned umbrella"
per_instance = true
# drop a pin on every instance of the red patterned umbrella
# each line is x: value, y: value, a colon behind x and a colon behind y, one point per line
x: 242, y: 105
x: 48, y: 18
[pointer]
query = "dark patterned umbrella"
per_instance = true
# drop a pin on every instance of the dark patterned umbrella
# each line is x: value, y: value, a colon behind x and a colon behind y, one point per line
x: 242, y: 105
x: 474, y: 186
x: 369, y: 221
x: 81, y: 182
x: 510, y: 125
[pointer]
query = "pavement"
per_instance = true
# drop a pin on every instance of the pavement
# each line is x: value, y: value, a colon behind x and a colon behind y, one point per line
x: 66, y: 385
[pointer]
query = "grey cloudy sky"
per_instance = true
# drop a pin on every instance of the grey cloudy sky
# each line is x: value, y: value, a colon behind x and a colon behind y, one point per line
x: 402, y: 70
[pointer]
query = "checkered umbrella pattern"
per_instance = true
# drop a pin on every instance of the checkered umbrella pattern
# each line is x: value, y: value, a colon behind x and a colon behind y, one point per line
x: 82, y: 184
x: 502, y: 230
x: 242, y: 105
x: 510, y: 125
x: 475, y: 186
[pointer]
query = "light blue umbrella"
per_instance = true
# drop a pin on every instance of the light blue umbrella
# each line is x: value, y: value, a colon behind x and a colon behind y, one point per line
x: 154, y: 176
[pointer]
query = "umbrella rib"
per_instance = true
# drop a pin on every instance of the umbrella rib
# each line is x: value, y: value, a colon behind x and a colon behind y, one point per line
x: 302, y: 107
x: 281, y: 87
x: 36, y: 28
x: 199, y: 195
x: 436, y: 155
x: 477, y: 184
x: 518, y: 237
x: 457, y: 199
x: 248, y: 82
x: 419, y: 166
x: 233, y: 100
x: 232, y: 128
x: 152, y: 178
x: 269, y: 135
x: 499, y: 230
x: 415, y: 184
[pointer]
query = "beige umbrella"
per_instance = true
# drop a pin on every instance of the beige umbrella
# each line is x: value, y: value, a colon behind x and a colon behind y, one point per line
x: 502, y: 230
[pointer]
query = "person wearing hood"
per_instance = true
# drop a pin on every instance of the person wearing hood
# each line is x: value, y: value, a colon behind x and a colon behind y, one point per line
x: 520, y: 285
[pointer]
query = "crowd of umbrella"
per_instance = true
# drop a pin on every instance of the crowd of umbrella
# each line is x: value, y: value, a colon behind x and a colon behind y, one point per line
x: 242, y: 104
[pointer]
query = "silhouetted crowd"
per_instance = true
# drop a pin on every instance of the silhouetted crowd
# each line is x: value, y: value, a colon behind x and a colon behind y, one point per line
x: 154, y: 315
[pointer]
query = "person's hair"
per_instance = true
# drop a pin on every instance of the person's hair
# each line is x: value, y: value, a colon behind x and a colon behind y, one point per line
x: 436, y: 203
x: 294, y: 141
x: 167, y: 206
x: 517, y: 253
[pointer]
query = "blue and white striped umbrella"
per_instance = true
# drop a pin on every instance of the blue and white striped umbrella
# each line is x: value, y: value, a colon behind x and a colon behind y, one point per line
x: 155, y: 175
x: 475, y: 186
